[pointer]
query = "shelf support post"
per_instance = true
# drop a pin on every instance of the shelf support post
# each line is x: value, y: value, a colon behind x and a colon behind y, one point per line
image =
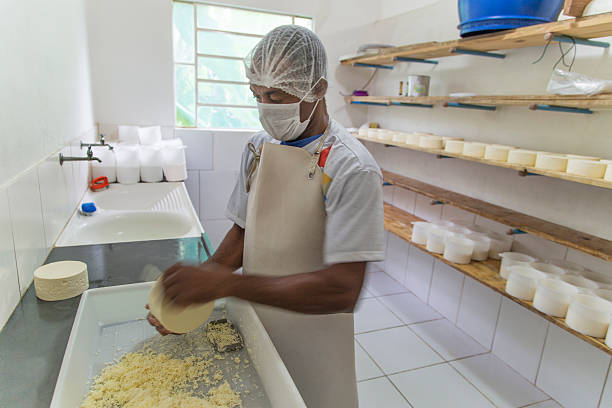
x: 455, y: 50
x: 469, y: 106
x: 555, y: 108
x: 409, y: 59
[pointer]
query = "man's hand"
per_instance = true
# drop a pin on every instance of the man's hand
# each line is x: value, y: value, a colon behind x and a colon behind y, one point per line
x: 185, y: 284
x: 158, y: 326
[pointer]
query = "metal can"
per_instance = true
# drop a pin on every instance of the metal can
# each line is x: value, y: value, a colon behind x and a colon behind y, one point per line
x: 417, y: 85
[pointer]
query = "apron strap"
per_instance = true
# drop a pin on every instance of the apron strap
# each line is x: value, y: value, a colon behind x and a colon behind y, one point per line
x: 315, y: 157
x: 253, y: 167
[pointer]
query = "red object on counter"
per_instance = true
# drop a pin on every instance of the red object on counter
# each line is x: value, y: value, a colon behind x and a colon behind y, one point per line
x: 99, y: 183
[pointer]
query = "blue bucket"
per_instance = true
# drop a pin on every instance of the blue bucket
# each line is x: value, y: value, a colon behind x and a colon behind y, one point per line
x: 485, y: 16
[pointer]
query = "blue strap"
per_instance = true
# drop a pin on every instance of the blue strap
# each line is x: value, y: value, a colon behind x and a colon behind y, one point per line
x: 302, y: 142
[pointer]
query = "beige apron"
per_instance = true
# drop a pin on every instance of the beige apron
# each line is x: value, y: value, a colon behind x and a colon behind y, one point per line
x: 285, y: 230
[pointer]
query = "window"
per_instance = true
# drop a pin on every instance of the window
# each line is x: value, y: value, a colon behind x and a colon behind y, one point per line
x: 210, y: 42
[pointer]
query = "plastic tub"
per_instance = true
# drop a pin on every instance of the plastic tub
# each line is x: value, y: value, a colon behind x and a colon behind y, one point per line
x: 553, y: 297
x: 590, y: 315
x: 608, y: 173
x: 458, y: 249
x: 601, y: 278
x: 430, y: 142
x: 497, y: 152
x: 581, y: 157
x: 454, y: 146
x: 385, y: 135
x: 436, y: 238
x: 128, y: 164
x: 420, y: 231
x: 567, y: 265
x: 175, y: 166
x: 363, y: 132
x: 522, y: 157
x: 149, y: 135
x: 548, y: 268
x: 580, y: 281
x: 459, y: 229
x: 128, y: 134
x: 609, y: 337
x: 373, y: 133
x: 446, y: 139
x: 479, y: 229
x: 523, y: 281
x: 586, y: 168
x: 482, y: 244
x: 413, y: 139
x: 499, y: 243
x: 474, y: 149
x: 108, y: 167
x: 510, y: 259
x: 399, y: 137
x: 552, y: 162
x: 151, y: 164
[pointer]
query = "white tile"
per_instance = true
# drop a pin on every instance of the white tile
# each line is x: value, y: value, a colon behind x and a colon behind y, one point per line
x: 228, y: 147
x: 55, y: 195
x: 192, y: 183
x: 396, y: 258
x: 364, y: 365
x: 215, y: 190
x: 397, y: 349
x: 519, y: 338
x: 388, y: 191
x: 445, y: 338
x: 492, y: 225
x: 380, y: 393
x: 216, y: 230
x: 80, y: 170
x: 437, y: 387
x: 27, y: 223
x: 498, y: 382
x: 478, y: 311
x: 404, y: 199
x: 572, y: 372
x: 364, y: 294
x: 586, y: 260
x: 409, y: 308
x: 445, y: 293
x: 424, y: 209
x: 419, y: 272
x: 538, y: 247
x: 9, y: 282
x: 199, y: 151
x: 606, y: 399
x: 547, y: 404
x: 375, y: 267
x: 457, y: 214
x: 379, y: 284
x: 370, y: 315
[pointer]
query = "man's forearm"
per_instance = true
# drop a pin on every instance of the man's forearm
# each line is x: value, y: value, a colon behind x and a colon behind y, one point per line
x: 230, y: 250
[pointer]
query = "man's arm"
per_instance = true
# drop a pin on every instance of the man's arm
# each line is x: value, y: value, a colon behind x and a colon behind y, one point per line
x: 230, y: 250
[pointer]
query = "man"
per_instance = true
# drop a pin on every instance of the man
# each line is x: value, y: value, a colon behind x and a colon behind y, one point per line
x: 308, y: 216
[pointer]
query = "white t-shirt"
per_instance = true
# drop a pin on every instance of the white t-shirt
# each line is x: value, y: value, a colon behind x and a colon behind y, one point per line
x: 354, y: 230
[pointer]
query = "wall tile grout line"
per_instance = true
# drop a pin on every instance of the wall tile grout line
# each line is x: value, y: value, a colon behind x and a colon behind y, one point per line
x: 472, y: 384
x: 460, y: 300
x: 535, y: 381
x: 606, y: 378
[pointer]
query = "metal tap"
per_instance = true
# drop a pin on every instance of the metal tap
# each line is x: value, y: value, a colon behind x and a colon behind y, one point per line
x: 101, y: 144
x: 90, y: 157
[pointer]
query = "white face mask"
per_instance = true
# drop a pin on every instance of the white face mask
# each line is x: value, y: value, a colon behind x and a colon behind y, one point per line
x: 282, y: 120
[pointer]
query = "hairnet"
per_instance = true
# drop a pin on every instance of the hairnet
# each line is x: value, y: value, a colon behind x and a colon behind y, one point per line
x: 291, y: 58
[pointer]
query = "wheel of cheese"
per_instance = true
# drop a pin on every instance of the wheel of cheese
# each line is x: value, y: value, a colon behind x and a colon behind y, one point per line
x: 399, y: 137
x: 373, y: 133
x: 586, y: 168
x: 553, y: 162
x: 61, y: 280
x: 608, y: 173
x: 577, y: 156
x: 430, y: 142
x: 175, y: 318
x: 445, y: 139
x: 412, y: 139
x: 522, y: 157
x: 454, y: 146
x: 474, y: 149
x: 496, y: 152
x: 385, y: 135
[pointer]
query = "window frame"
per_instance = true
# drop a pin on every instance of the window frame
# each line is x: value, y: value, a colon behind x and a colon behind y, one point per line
x: 197, y: 55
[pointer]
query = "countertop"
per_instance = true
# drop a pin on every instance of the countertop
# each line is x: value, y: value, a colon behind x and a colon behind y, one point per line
x: 33, y: 341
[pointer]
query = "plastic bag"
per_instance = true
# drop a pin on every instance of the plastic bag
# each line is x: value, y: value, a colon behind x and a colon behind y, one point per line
x: 571, y: 83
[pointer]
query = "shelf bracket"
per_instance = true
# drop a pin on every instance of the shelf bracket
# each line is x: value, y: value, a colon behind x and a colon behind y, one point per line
x: 555, y: 108
x: 525, y: 173
x: 361, y: 64
x: 469, y: 106
x: 369, y: 103
x: 477, y: 53
x: 386, y: 183
x: 516, y: 231
x: 408, y: 59
x: 436, y: 202
x: 573, y: 40
x: 414, y: 105
x: 441, y: 156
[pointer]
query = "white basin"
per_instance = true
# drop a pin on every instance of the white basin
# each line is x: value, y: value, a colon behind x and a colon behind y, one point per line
x: 137, y: 212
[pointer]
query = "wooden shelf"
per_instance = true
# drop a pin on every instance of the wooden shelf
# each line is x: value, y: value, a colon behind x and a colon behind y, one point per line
x: 596, y: 26
x: 521, y: 169
x: 590, y: 244
x: 531, y: 101
x: 399, y: 222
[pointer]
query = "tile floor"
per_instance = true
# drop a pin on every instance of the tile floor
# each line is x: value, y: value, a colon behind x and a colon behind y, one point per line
x: 407, y: 355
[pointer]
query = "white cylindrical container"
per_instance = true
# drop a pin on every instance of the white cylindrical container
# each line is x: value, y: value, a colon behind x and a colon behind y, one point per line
x: 454, y: 146
x: 580, y: 157
x: 550, y: 269
x: 499, y: 243
x: 482, y: 244
x: 373, y: 133
x: 128, y: 164
x: 510, y: 259
x: 363, y: 131
x: 435, y: 239
x: 459, y: 230
x: 385, y: 135
x: 553, y: 297
x: 552, y: 162
x: 412, y: 139
x: 458, y: 249
x: 128, y: 134
x: 522, y: 157
x: 399, y: 137
x: 417, y: 85
x: 589, y: 315
x: 474, y: 149
x: 420, y: 231
x: 149, y: 135
x: 108, y: 167
x: 586, y: 168
x: 608, y: 173
x: 497, y: 152
x: 446, y: 139
x: 523, y: 281
x: 569, y: 266
x: 151, y: 163
x: 479, y: 229
x: 580, y: 282
x: 609, y: 337
x: 175, y: 166
x: 430, y: 142
x: 600, y: 278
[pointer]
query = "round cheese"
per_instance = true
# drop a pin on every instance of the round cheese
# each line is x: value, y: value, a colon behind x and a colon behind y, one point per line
x: 373, y: 133
x: 553, y: 162
x: 608, y: 173
x: 454, y: 146
x: 474, y: 149
x: 447, y: 138
x: 177, y: 319
x: 385, y: 135
x: 522, y: 157
x: 430, y: 142
x: 497, y: 152
x: 577, y: 156
x: 412, y: 139
x: 399, y: 137
x: 61, y: 280
x: 586, y: 168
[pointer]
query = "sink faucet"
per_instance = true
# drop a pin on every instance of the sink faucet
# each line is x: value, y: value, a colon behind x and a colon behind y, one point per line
x: 89, y: 157
x: 101, y: 144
